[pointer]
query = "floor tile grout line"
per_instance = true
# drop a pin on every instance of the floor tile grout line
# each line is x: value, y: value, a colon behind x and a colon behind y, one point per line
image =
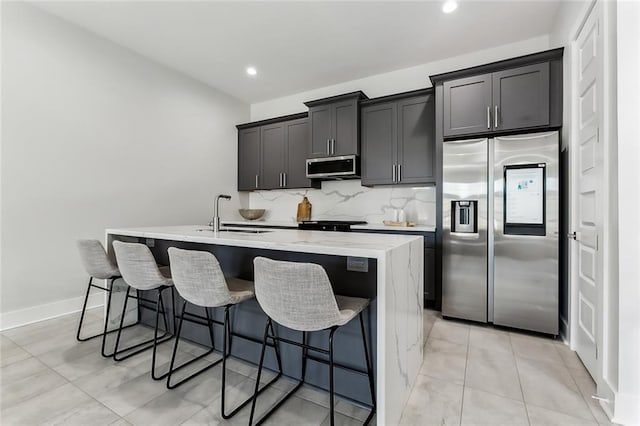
x: 582, y: 395
x: 515, y: 361
x: 563, y: 413
x: 77, y: 387
x: 464, y: 378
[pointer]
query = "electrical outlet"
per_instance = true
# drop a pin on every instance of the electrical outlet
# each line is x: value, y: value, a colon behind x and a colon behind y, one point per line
x: 357, y: 264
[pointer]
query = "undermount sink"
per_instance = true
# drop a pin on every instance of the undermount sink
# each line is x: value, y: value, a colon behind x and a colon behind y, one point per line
x: 240, y: 231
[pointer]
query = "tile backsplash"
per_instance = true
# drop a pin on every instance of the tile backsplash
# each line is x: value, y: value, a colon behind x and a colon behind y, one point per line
x: 348, y: 200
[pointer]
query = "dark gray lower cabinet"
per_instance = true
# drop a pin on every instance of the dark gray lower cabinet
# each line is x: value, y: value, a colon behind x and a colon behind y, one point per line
x: 429, y: 260
x: 398, y: 140
x: 429, y: 274
x: 249, y: 159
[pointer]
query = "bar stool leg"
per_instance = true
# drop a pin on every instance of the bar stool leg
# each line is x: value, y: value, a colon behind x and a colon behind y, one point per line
x: 159, y: 305
x: 331, y: 385
x: 124, y: 311
x: 147, y: 344
x: 372, y: 387
x: 106, y: 321
x: 262, y: 351
x: 226, y: 352
x: 173, y: 369
x: 84, y: 308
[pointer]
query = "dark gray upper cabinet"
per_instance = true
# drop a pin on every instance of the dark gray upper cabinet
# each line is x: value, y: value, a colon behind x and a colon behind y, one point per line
x: 379, y: 143
x: 345, y: 133
x: 296, y: 137
x: 523, y: 93
x: 467, y: 104
x: 320, y: 128
x: 521, y: 97
x: 249, y: 159
x: 416, y: 140
x: 398, y: 140
x: 334, y: 125
x: 272, y: 154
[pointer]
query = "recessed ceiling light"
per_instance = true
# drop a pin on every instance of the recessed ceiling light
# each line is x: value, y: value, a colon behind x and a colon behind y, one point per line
x: 449, y: 6
x: 252, y: 71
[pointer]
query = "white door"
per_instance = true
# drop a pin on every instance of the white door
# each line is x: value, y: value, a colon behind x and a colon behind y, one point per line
x: 587, y: 190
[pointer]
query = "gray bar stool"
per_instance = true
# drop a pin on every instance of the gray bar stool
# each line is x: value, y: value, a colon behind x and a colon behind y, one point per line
x: 199, y: 279
x: 140, y: 271
x: 99, y: 266
x: 299, y: 296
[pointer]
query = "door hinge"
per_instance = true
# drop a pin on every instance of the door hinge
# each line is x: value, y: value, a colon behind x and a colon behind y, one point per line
x: 572, y: 236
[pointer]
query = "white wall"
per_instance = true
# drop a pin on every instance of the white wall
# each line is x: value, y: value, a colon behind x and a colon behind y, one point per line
x: 96, y: 136
x: 627, y: 406
x: 397, y: 81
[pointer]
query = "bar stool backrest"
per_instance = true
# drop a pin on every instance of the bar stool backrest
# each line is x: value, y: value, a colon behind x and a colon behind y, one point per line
x: 95, y: 260
x: 138, y: 266
x: 198, y: 277
x: 296, y: 295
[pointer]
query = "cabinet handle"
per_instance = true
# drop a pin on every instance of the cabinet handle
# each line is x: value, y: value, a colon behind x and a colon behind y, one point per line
x: 284, y: 179
x: 488, y: 117
x: 399, y: 172
x: 495, y: 117
x: 393, y: 178
x: 333, y: 147
x: 328, y: 146
x: 280, y: 180
x: 256, y: 181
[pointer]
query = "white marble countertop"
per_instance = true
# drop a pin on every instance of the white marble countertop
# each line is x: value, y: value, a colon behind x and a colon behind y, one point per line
x: 290, y: 224
x: 335, y: 243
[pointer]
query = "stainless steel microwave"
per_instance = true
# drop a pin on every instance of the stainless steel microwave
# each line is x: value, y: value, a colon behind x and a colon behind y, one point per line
x: 342, y: 167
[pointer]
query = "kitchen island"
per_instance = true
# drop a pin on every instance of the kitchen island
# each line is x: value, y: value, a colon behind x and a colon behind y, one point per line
x: 385, y: 268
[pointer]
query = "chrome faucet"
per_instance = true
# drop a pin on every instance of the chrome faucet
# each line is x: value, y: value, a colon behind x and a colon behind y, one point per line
x: 216, y: 219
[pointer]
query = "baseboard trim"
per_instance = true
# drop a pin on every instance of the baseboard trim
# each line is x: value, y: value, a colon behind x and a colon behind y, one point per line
x: 47, y: 311
x: 626, y: 409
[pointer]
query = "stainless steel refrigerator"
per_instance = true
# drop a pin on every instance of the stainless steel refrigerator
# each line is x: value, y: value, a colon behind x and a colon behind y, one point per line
x: 500, y: 220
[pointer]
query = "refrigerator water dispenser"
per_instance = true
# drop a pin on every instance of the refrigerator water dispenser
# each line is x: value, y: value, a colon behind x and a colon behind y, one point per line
x: 464, y: 216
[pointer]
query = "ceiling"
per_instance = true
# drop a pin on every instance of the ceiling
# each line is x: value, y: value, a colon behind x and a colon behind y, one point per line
x: 299, y: 46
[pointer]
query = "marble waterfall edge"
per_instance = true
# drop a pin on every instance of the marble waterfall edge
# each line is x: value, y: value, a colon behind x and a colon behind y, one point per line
x: 348, y: 200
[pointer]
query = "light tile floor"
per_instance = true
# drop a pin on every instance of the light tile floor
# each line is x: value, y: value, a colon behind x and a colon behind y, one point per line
x: 471, y: 375
x: 481, y: 375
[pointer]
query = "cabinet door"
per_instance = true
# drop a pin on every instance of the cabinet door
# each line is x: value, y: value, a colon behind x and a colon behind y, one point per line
x: 345, y: 128
x: 320, y: 129
x: 296, y: 136
x: 467, y: 105
x: 248, y: 158
x: 379, y: 142
x: 429, y: 274
x: 416, y: 140
x: 272, y: 156
x: 521, y: 97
